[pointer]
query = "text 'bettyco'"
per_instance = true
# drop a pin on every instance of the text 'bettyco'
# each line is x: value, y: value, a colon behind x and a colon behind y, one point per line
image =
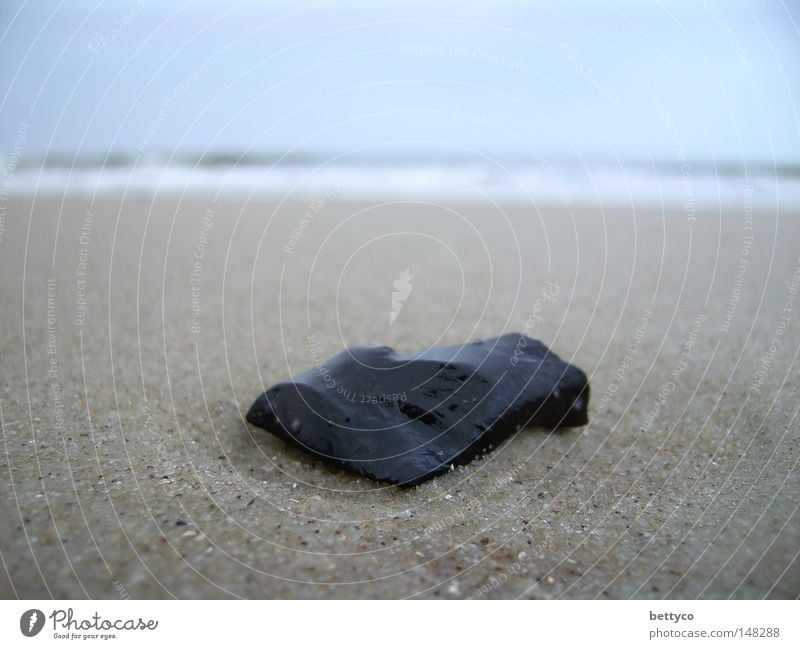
x: 671, y: 617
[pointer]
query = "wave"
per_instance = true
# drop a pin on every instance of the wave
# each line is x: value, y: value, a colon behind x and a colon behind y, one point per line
x: 670, y: 183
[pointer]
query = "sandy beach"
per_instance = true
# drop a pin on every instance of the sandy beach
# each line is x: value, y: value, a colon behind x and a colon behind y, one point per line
x: 135, y: 334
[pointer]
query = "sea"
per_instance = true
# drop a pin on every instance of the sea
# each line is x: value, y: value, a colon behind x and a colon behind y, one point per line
x: 675, y: 185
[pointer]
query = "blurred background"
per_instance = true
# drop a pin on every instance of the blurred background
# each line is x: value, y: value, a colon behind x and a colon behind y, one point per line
x: 673, y: 100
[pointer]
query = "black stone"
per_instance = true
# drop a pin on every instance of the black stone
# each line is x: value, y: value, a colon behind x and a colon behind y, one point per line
x: 407, y: 418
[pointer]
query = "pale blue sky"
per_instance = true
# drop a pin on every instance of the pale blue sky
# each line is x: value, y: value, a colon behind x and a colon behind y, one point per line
x: 562, y: 79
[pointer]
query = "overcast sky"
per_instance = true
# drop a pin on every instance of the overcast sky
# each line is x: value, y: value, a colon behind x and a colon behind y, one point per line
x: 635, y: 80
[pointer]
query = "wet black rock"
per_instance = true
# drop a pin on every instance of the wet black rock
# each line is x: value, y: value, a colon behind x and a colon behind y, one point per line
x: 407, y: 418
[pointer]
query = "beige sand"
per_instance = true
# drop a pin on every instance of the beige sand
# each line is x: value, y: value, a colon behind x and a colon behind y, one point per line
x: 119, y: 421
